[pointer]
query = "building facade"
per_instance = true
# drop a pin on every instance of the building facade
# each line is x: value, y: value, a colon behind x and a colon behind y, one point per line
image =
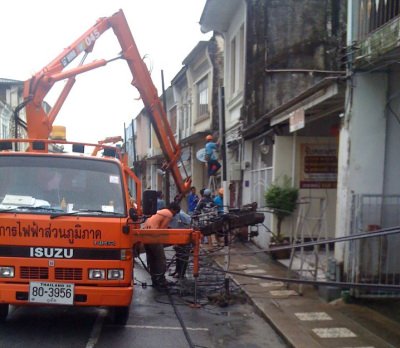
x: 11, y: 95
x: 192, y: 112
x: 368, y: 186
x: 228, y: 19
x: 283, y: 100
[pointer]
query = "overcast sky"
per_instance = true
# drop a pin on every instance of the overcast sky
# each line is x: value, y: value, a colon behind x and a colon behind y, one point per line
x: 34, y: 32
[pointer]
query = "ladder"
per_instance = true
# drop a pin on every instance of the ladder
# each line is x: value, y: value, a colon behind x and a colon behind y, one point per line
x: 314, y: 226
x: 212, y: 184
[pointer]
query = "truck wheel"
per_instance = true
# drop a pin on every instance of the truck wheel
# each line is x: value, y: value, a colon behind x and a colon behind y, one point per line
x: 3, y: 312
x: 120, y: 315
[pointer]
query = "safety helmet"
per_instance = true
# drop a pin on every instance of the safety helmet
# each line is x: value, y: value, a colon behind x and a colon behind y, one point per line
x: 209, y: 137
x: 221, y: 191
x: 207, y: 192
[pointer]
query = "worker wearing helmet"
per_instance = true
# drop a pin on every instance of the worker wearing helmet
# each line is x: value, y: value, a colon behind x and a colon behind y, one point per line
x: 211, y: 155
x: 205, y: 203
x: 219, y: 200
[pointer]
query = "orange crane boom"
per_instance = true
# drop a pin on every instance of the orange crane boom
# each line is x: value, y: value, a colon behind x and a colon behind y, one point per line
x: 39, y: 123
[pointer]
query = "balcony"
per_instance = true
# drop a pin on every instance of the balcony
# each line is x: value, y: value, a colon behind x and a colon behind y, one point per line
x: 378, y: 35
x: 373, y: 14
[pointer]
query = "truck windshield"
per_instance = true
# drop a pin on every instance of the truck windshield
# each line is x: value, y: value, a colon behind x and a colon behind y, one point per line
x: 60, y: 183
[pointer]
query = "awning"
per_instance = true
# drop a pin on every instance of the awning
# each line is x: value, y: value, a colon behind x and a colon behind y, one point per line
x: 194, y: 138
x: 321, y: 100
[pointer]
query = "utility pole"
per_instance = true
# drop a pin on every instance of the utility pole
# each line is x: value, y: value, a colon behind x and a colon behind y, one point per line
x: 167, y: 195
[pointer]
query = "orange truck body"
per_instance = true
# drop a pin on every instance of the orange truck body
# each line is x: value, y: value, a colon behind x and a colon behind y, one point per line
x: 76, y: 248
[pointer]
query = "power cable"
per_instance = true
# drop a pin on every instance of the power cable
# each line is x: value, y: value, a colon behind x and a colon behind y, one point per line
x: 180, y: 319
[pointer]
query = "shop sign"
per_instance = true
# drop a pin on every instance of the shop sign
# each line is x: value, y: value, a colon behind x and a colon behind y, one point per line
x: 319, y: 165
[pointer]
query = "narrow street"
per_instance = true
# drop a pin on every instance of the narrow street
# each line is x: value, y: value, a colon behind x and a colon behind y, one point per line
x: 259, y: 175
x: 152, y: 323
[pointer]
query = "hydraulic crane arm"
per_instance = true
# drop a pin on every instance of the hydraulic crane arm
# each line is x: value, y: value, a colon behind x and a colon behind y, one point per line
x: 35, y: 89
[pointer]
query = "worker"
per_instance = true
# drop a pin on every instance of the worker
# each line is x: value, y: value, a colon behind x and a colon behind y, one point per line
x: 155, y: 254
x: 182, y: 252
x: 219, y: 200
x: 193, y: 199
x: 211, y: 156
x: 202, y: 192
x: 205, y: 203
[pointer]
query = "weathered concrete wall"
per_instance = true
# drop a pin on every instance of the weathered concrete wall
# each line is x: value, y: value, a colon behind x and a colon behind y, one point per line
x: 368, y: 133
x: 392, y: 163
x: 283, y: 37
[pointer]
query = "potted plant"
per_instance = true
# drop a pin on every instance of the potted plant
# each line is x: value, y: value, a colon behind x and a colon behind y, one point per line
x: 281, y: 198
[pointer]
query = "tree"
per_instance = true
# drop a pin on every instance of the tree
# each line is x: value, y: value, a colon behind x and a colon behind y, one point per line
x: 281, y: 198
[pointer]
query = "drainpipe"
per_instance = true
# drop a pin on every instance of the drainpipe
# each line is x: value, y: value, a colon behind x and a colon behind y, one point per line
x: 294, y: 157
x: 133, y: 144
x: 167, y: 193
x: 221, y: 112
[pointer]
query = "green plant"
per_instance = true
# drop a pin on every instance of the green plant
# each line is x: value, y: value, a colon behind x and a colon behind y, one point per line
x: 281, y: 198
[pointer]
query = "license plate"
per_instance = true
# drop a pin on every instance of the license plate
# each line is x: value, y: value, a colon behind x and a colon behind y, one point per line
x: 51, y: 293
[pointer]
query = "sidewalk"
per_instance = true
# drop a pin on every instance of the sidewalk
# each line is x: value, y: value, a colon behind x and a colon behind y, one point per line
x: 307, y: 321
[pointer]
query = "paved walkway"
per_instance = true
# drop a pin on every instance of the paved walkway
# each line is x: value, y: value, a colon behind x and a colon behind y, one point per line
x: 307, y: 321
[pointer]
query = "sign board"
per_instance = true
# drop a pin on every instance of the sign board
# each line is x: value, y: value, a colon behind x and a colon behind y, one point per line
x: 296, y: 120
x: 319, y: 165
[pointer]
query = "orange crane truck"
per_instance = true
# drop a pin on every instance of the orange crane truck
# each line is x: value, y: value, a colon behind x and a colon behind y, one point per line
x: 68, y: 225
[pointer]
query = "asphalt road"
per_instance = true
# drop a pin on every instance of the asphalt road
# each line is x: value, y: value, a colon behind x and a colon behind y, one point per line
x: 153, y: 322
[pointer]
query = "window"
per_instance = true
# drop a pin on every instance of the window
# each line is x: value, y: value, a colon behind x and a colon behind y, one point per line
x: 172, y: 119
x: 261, y: 173
x: 184, y: 121
x: 233, y: 65
x: 184, y: 114
x: 56, y: 182
x: 149, y: 134
x: 241, y: 58
x: 202, y: 97
x: 4, y: 120
x: 237, y: 62
x: 4, y: 131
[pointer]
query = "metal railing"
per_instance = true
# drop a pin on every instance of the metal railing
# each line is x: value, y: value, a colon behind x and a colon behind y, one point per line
x: 376, y: 259
x: 374, y: 14
x: 372, y: 262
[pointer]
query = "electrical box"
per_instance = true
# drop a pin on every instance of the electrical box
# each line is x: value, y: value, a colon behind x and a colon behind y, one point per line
x: 235, y: 172
x: 246, y: 165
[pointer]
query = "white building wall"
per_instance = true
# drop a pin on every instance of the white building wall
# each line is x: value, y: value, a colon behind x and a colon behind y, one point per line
x: 392, y: 167
x: 282, y: 165
x: 368, y: 133
x: 235, y: 65
x: 317, y: 212
x: 234, y: 71
x: 343, y: 202
x: 362, y: 150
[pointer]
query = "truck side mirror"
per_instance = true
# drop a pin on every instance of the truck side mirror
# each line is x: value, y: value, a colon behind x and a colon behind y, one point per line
x: 149, y: 202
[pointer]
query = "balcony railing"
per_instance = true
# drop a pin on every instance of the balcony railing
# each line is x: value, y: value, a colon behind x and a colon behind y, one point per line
x: 373, y: 14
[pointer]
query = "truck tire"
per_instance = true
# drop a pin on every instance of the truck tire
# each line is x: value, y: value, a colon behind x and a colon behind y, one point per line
x: 120, y: 315
x: 3, y: 312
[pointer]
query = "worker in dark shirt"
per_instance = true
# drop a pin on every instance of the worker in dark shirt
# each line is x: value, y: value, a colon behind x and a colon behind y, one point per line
x: 155, y: 253
x: 205, y: 203
x: 193, y: 199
